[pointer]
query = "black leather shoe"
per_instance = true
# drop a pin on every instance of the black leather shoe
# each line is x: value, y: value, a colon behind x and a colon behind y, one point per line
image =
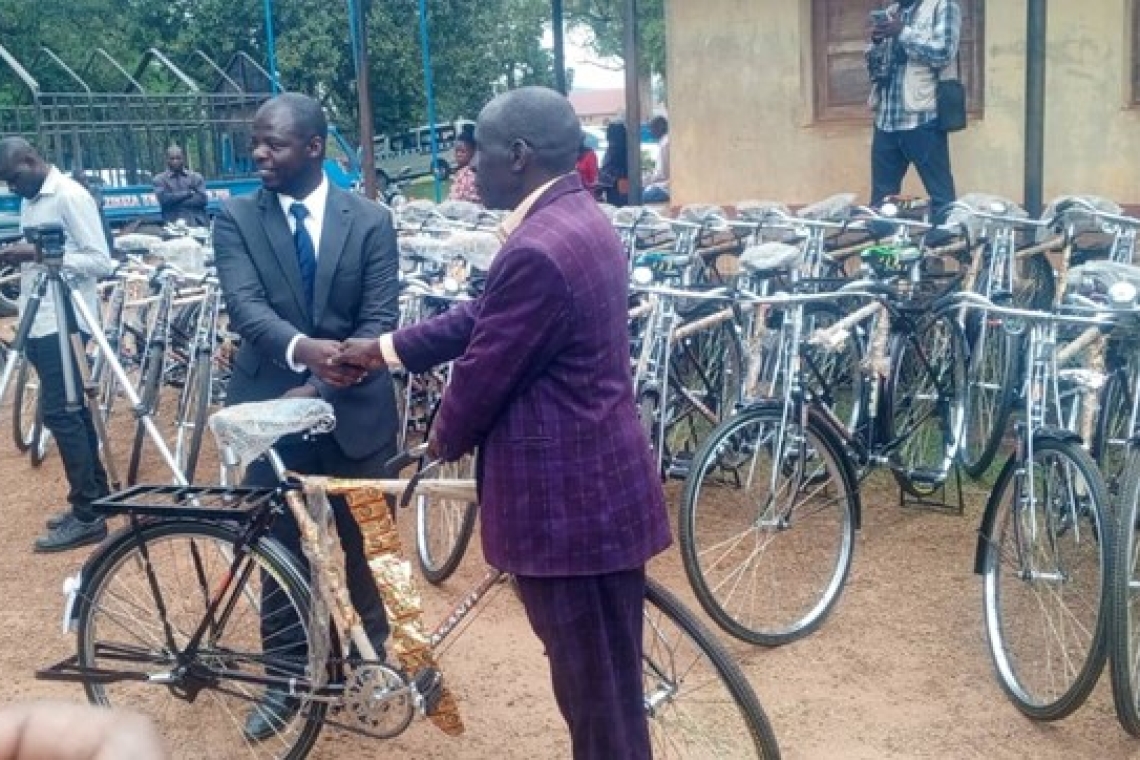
x: 58, y: 519
x: 269, y: 716
x: 71, y: 534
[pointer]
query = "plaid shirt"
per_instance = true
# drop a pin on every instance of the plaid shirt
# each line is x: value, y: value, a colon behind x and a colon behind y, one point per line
x: 936, y: 49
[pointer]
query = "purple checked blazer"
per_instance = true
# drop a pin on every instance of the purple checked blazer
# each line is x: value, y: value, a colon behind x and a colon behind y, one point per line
x: 542, y: 384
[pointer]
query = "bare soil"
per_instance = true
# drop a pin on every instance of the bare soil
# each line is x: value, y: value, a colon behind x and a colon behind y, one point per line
x: 900, y: 671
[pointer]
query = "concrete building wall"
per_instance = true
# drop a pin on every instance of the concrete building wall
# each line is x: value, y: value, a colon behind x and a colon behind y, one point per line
x: 742, y: 120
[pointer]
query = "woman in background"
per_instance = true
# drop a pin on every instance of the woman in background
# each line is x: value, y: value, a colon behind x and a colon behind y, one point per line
x: 613, y: 180
x: 463, y: 183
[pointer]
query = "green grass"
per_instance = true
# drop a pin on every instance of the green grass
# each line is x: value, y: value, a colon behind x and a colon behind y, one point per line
x: 424, y: 189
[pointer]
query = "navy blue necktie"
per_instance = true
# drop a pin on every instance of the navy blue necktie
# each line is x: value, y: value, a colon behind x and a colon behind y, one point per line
x: 306, y: 251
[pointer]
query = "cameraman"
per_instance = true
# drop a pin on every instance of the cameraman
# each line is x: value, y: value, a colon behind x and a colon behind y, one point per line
x: 50, y: 198
x: 912, y: 41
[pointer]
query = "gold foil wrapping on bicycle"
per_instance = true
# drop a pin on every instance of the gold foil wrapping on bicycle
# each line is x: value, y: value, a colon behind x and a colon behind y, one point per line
x: 392, y: 574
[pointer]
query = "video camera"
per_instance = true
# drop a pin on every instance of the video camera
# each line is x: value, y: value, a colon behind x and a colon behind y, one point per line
x: 49, y: 240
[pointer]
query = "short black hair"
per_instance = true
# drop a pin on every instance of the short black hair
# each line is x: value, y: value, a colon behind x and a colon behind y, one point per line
x: 305, y: 113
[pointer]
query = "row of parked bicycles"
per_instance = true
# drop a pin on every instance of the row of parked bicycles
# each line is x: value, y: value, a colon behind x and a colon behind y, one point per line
x: 784, y: 360
x: 781, y: 362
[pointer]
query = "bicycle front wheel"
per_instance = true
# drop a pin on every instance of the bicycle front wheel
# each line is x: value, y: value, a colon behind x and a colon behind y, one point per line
x: 25, y: 405
x: 148, y: 595
x: 444, y: 526
x: 193, y: 407
x: 767, y: 525
x: 1045, y: 578
x: 1124, y: 592
x: 698, y: 701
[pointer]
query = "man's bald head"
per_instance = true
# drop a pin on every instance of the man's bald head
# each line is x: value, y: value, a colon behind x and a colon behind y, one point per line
x: 15, y: 150
x: 21, y: 167
x: 525, y: 138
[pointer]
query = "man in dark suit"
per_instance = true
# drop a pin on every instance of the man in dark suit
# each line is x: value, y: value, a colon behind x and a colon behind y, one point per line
x: 303, y: 266
x: 571, y: 500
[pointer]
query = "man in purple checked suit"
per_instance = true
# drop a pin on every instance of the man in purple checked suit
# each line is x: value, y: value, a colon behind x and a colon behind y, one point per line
x: 571, y: 499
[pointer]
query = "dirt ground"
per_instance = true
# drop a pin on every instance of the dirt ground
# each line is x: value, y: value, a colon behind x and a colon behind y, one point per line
x: 899, y: 671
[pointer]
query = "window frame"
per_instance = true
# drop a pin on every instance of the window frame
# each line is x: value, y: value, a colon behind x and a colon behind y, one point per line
x: 1133, y: 35
x: 973, y: 63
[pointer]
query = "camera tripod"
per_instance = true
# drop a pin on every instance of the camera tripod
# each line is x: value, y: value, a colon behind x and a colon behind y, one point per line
x: 78, y: 386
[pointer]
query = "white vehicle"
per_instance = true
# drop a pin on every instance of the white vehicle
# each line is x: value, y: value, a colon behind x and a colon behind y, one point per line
x: 411, y: 150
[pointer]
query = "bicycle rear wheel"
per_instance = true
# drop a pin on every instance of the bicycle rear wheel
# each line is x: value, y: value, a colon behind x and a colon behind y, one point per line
x: 699, y: 703
x: 124, y: 614
x: 767, y: 526
x: 1045, y: 579
x: 990, y: 393
x: 928, y: 381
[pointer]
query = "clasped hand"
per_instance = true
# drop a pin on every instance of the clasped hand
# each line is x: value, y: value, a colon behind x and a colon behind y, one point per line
x: 340, y: 363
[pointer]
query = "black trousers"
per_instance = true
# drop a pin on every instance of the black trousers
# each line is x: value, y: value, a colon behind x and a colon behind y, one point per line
x: 927, y: 148
x: 74, y: 430
x: 282, y: 634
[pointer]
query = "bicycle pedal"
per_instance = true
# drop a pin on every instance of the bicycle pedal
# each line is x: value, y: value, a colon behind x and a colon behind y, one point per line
x: 926, y: 476
x: 428, y: 683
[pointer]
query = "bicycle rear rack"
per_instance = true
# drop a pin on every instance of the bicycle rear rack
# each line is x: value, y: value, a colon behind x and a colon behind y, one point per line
x: 203, y: 502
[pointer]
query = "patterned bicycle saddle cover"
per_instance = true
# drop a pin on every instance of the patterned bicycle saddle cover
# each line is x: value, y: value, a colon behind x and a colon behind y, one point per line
x: 249, y: 430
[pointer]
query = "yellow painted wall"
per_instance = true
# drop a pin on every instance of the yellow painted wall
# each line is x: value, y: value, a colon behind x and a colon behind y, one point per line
x: 742, y: 124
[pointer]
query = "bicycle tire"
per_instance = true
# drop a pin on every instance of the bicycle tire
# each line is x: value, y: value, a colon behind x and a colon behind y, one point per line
x: 450, y: 521
x: 815, y: 491
x: 1110, y: 439
x: 928, y: 378
x: 706, y: 369
x: 194, y: 724
x: 193, y: 408
x: 994, y: 365
x: 1016, y: 655
x: 1124, y: 624
x: 686, y: 718
x: 25, y: 401
x: 41, y: 443
x: 150, y: 389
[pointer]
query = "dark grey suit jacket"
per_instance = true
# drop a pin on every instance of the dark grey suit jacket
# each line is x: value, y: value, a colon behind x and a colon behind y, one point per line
x: 355, y: 295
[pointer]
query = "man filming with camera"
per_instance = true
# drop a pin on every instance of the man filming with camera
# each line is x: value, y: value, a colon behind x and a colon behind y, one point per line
x: 913, y: 44
x: 52, y: 201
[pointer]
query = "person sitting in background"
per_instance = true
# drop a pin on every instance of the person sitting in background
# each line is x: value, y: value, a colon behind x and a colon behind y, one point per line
x: 613, y: 179
x: 657, y: 188
x: 181, y: 193
x: 463, y: 184
x: 588, y: 166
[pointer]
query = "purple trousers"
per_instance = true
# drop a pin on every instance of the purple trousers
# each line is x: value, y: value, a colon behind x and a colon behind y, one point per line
x: 591, y: 628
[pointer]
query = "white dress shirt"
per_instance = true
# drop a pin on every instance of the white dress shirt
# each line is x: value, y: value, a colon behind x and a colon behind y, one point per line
x: 64, y: 201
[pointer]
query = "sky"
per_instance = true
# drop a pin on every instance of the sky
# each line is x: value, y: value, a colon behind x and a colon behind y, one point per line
x: 588, y: 74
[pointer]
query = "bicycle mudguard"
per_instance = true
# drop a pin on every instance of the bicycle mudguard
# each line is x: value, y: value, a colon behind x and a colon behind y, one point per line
x: 986, y: 527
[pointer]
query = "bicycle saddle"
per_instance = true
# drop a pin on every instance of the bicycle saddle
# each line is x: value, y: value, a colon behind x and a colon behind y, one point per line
x: 760, y: 211
x: 1075, y: 212
x: 249, y: 430
x: 768, y: 257
x: 834, y: 208
x: 701, y: 213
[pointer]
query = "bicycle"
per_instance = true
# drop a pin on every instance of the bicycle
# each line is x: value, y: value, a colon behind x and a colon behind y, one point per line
x: 1046, y: 539
x: 167, y: 610
x: 771, y: 505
